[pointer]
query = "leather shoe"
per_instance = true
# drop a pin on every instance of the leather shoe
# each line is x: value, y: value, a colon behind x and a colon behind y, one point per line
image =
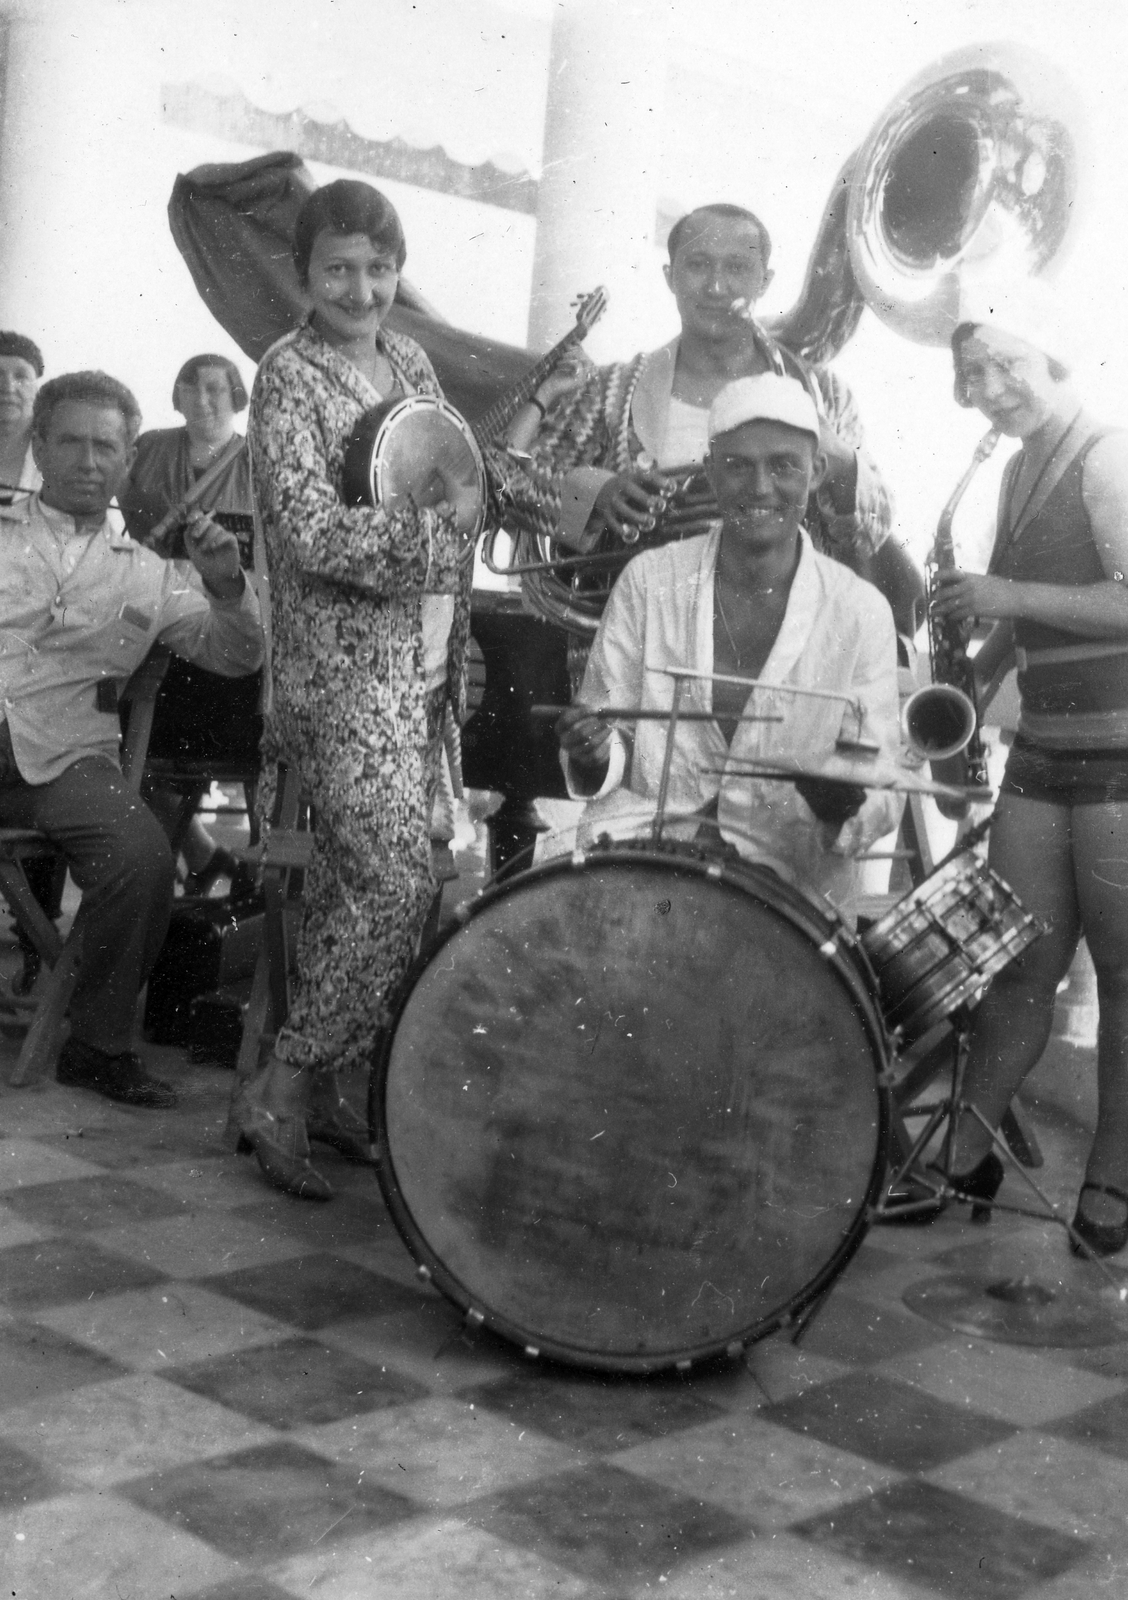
x: 333, y: 1121
x: 1102, y: 1238
x: 980, y: 1185
x: 119, y: 1077
x: 282, y: 1147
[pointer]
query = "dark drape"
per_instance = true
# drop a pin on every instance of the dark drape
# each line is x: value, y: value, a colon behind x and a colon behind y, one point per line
x: 233, y: 222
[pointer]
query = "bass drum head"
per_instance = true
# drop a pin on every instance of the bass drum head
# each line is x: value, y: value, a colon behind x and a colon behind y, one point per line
x: 629, y: 1114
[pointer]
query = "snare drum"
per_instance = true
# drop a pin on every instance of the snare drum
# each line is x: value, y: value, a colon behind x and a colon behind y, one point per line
x: 940, y: 946
x: 632, y: 1112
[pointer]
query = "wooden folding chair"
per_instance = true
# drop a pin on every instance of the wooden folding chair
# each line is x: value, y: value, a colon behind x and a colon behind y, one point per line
x: 282, y: 858
x: 45, y: 1008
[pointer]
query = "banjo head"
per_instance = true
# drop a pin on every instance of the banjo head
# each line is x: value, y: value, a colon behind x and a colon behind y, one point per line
x: 417, y: 452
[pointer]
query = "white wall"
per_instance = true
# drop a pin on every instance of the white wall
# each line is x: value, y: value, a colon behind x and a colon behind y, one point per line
x: 763, y: 103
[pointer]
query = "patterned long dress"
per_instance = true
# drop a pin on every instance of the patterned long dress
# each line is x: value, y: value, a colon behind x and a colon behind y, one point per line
x: 349, y: 705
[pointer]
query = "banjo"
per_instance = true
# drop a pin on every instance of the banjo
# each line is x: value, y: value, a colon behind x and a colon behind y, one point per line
x: 421, y: 451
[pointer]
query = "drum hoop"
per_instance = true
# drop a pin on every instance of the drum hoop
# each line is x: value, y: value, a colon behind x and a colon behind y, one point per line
x: 432, y: 1269
x: 428, y: 402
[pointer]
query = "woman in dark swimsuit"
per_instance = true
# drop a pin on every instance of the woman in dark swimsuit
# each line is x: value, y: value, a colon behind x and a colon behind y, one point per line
x: 1055, y: 590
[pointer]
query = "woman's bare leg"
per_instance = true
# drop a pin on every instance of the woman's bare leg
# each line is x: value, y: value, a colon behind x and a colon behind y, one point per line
x: 1031, y: 849
x: 1100, y: 861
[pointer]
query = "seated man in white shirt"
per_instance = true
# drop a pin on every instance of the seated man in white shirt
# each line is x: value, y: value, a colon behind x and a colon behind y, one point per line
x: 751, y: 598
x: 80, y: 608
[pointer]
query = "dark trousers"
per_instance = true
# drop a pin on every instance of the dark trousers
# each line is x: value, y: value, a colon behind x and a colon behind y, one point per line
x: 119, y: 857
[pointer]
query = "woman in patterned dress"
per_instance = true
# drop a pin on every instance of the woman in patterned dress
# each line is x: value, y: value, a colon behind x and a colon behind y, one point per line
x: 370, y: 619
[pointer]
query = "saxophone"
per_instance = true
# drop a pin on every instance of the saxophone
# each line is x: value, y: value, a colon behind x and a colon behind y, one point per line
x: 941, y: 722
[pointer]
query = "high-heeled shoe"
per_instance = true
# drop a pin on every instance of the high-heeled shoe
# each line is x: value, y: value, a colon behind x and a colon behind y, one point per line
x: 282, y: 1147
x: 1102, y: 1238
x: 333, y: 1121
x: 980, y: 1185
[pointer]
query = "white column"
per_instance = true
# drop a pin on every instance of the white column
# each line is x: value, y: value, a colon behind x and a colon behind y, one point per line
x: 80, y: 201
x: 598, y: 192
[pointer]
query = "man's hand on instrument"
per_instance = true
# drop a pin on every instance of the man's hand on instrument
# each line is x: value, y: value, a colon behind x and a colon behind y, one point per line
x: 570, y: 373
x: 214, y: 552
x: 832, y: 801
x: 630, y: 502
x: 963, y: 596
x: 586, y: 741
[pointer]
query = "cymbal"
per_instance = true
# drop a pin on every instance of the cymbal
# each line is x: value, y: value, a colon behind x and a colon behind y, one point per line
x: 1022, y: 1310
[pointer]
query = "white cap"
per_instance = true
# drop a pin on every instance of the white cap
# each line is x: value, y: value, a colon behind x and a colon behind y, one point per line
x: 1027, y: 309
x: 767, y: 398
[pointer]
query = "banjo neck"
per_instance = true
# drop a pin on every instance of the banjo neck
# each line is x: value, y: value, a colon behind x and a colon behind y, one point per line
x: 488, y: 428
x: 436, y: 454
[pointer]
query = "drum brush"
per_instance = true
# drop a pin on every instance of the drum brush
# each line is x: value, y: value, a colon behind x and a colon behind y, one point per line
x: 547, y: 713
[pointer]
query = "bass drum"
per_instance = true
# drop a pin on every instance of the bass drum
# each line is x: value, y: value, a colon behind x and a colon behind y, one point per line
x: 632, y: 1112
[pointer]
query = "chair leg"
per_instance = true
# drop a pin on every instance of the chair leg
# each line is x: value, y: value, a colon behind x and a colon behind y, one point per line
x: 28, y: 912
x: 189, y: 805
x: 44, y: 1038
x: 255, y: 1020
x: 250, y: 796
x: 270, y: 998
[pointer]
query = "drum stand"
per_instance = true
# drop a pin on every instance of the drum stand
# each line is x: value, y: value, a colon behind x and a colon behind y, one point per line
x: 935, y: 1177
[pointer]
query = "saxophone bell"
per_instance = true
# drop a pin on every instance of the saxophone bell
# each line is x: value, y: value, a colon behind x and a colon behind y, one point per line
x: 938, y: 721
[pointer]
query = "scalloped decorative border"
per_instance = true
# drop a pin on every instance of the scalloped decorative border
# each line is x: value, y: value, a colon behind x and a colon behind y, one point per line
x: 233, y: 116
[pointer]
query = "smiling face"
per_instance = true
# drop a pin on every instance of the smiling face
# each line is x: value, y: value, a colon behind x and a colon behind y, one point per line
x: 204, y: 401
x: 18, y: 384
x: 762, y: 475
x: 84, y: 456
x: 717, y: 275
x: 352, y: 283
x: 1008, y: 380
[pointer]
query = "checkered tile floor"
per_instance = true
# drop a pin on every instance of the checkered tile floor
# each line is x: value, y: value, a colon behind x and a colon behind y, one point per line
x: 213, y: 1393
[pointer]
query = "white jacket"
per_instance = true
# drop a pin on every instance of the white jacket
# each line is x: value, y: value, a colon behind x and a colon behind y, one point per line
x: 837, y: 634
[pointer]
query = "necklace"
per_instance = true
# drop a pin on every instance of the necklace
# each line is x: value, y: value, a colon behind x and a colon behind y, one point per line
x: 724, y: 619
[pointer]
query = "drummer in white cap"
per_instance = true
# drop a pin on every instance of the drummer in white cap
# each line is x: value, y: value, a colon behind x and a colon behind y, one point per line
x: 750, y: 599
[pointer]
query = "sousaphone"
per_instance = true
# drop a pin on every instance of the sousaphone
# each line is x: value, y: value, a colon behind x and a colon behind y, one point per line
x: 972, y: 169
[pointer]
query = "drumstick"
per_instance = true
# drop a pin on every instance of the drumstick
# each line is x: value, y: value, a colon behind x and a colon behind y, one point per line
x: 638, y: 714
x: 900, y: 783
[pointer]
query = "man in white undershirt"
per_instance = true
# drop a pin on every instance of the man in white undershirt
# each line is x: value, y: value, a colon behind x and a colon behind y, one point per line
x: 598, y: 459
